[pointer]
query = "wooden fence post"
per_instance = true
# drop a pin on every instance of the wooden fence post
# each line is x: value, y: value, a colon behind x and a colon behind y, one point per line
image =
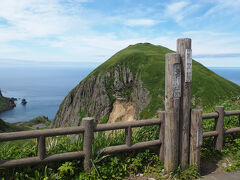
x: 161, y: 115
x: 41, y: 147
x: 128, y: 136
x: 88, y: 123
x: 172, y: 102
x: 184, y: 49
x: 196, y: 135
x: 219, y: 126
x: 239, y: 120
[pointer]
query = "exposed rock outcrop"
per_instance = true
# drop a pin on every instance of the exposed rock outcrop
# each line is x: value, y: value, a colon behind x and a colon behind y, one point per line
x: 122, y: 112
x: 96, y: 94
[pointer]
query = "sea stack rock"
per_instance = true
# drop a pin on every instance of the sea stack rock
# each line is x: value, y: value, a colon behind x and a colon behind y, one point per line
x: 24, y: 101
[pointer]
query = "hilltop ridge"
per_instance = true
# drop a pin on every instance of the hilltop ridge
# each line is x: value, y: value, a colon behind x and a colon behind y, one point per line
x: 136, y: 75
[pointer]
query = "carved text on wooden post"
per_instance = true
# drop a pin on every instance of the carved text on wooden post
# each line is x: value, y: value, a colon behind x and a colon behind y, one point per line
x: 199, y: 137
x: 188, y: 65
x: 176, y: 81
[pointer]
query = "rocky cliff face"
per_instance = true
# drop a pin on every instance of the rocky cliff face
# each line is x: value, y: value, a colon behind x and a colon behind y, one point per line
x: 132, y: 82
x: 95, y: 96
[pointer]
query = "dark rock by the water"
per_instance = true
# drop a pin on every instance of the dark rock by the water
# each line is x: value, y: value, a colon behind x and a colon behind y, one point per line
x: 24, y: 101
x: 0, y: 93
x: 14, y: 99
x: 12, y: 103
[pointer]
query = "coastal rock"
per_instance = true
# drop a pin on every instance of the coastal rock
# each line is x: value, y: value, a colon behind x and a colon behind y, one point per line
x: 24, y: 101
x: 6, y: 103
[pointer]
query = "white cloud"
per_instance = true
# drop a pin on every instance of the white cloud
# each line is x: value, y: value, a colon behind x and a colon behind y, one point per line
x: 52, y: 31
x: 210, y: 42
x: 176, y: 10
x: 228, y: 7
x: 141, y: 22
x: 28, y: 19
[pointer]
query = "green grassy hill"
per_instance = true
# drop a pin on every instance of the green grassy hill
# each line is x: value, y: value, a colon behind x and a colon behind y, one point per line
x: 23, y: 126
x: 138, y: 68
x: 149, y: 61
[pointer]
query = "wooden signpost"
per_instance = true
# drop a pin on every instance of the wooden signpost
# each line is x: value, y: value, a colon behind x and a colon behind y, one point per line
x: 184, y: 49
x: 178, y: 77
x: 172, y: 103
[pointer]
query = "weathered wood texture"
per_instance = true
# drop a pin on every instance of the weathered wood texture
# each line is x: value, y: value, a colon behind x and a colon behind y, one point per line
x: 41, y: 147
x: 182, y: 45
x: 196, y: 136
x: 123, y: 125
x: 239, y: 120
x: 36, y: 133
x: 88, y: 124
x: 88, y: 129
x: 209, y: 115
x: 128, y: 136
x: 216, y: 116
x: 124, y: 147
x: 36, y: 160
x: 161, y: 115
x: 172, y: 103
x: 232, y: 130
x: 219, y: 127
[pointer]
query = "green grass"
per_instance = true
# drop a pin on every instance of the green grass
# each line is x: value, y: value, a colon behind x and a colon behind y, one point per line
x: 122, y: 165
x: 22, y: 126
x: 4, y: 103
x: 9, y: 127
x: 147, y: 62
x: 104, y: 166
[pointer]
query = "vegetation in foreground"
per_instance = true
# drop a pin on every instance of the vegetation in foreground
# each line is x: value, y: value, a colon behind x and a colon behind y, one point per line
x: 122, y: 165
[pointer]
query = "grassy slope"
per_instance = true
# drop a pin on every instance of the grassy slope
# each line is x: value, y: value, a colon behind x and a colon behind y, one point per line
x: 22, y: 126
x: 8, y: 127
x: 4, y: 103
x: 148, y: 61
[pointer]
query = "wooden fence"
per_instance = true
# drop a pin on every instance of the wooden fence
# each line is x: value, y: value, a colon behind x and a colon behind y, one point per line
x: 180, y: 128
x: 87, y: 129
x: 197, y: 134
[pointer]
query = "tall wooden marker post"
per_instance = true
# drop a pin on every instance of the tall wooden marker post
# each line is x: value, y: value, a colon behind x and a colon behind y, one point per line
x: 172, y: 103
x: 185, y: 51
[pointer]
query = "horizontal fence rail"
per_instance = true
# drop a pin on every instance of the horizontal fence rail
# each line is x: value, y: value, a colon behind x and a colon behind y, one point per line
x: 122, y: 148
x: 219, y: 131
x: 37, y: 160
x: 122, y: 125
x: 37, y: 133
x: 87, y: 129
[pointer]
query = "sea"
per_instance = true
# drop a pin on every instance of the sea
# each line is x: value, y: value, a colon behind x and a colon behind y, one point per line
x: 44, y: 86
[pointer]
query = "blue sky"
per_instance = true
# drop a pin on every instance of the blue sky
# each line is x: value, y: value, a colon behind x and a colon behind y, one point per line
x: 91, y: 31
